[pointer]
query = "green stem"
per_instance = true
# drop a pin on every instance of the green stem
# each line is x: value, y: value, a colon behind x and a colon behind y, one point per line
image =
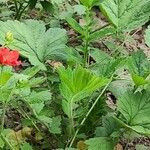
x: 71, y: 121
x: 71, y: 127
x: 86, y: 38
x: 86, y: 53
x: 16, y: 5
x: 21, y: 12
x: 3, y: 117
x: 17, y: 15
x: 88, y: 113
x: 4, y: 109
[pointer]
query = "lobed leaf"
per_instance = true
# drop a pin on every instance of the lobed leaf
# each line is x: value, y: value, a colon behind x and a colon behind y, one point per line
x: 100, y: 143
x: 78, y: 84
x: 126, y: 15
x: 34, y: 42
x: 135, y: 109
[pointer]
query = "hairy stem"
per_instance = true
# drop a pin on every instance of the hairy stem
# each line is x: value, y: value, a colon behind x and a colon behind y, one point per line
x: 3, y: 117
x: 86, y: 38
x: 71, y: 121
x: 86, y: 53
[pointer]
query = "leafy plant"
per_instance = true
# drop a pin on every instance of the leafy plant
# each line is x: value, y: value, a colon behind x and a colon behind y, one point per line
x: 76, y: 85
x: 86, y: 32
x: 38, y: 47
x: 88, y: 92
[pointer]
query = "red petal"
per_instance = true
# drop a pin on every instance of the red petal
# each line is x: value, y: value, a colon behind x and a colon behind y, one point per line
x: 8, y: 57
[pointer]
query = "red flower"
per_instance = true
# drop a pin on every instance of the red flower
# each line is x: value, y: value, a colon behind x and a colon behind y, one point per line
x: 8, y: 57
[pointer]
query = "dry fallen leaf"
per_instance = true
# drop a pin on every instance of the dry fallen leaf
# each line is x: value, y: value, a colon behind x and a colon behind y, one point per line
x: 81, y: 145
x: 54, y: 64
x: 119, y: 147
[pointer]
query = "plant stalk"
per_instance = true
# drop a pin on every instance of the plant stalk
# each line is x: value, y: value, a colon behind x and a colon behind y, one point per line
x: 86, y: 38
x: 16, y: 5
x: 71, y: 121
x: 18, y: 11
x: 86, y: 53
x: 3, y: 117
x: 21, y: 12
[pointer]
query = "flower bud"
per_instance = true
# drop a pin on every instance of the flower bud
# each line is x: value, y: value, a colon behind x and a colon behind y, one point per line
x: 9, y: 37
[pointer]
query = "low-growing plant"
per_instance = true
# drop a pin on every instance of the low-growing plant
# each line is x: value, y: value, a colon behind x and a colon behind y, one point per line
x: 55, y: 96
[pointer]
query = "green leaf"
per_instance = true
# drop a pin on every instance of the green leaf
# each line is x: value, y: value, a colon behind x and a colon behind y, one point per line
x: 55, y: 125
x: 34, y: 82
x: 100, y: 56
x: 73, y: 56
x: 147, y: 36
x: 115, y: 49
x: 126, y: 15
x: 138, y: 129
x: 108, y: 127
x: 135, y: 109
x: 119, y: 87
x: 47, y: 6
x: 102, y: 33
x: 139, y: 67
x: 32, y: 3
x: 31, y: 71
x: 78, y: 84
x: 136, y: 63
x: 36, y: 100
x: 12, y: 140
x: 90, y: 3
x: 8, y: 89
x: 47, y: 120
x: 138, y: 80
x: 79, y: 9
x: 37, y: 97
x: 141, y: 147
x: 141, y: 130
x: 67, y: 149
x: 4, y: 77
x: 105, y: 65
x: 75, y: 25
x: 100, y: 143
x: 26, y: 146
x: 2, y: 143
x: 33, y: 41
